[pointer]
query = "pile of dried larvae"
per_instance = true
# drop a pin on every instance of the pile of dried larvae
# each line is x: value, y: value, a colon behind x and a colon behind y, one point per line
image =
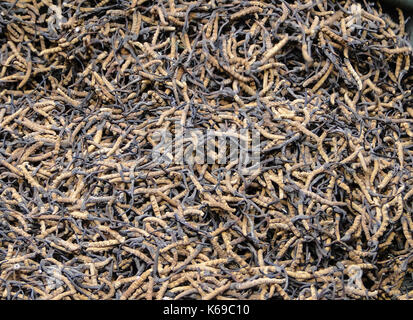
x: 98, y: 99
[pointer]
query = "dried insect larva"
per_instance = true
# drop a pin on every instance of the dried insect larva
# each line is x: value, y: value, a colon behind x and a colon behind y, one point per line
x: 386, y: 180
x: 407, y: 195
x: 36, y: 127
x: 257, y: 282
x: 139, y: 254
x: 234, y: 74
x: 352, y: 156
x: 306, y: 56
x: 353, y: 73
x: 271, y: 52
x: 221, y: 289
x: 322, y: 200
x: 285, y: 247
x: 352, y: 229
x: 396, y: 50
x: 68, y: 99
x: 29, y: 177
x: 40, y: 157
x: 245, y: 12
x: 51, y: 51
x: 357, y: 293
x: 304, y: 130
x: 155, y: 206
x: 76, y: 162
x: 407, y: 233
x: 373, y: 17
x: 15, y: 32
x: 374, y: 87
x: 184, y: 264
x: 314, y: 25
x: 388, y: 242
x: 298, y: 254
x: 12, y: 78
x: 323, y: 78
x: 280, y: 291
x: 67, y: 244
x: 383, y: 225
x: 401, y: 22
x: 101, y: 244
x: 399, y: 62
x: 27, y: 75
x: 12, y: 168
x: 333, y: 35
x: 79, y: 214
x: 317, y: 75
x: 392, y: 76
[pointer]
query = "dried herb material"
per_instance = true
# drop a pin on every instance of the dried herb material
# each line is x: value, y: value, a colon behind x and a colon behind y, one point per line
x: 86, y: 211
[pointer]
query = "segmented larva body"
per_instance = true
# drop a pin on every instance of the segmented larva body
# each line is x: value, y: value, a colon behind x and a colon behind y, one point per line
x: 285, y: 12
x: 304, y: 51
x: 323, y: 78
x: 245, y: 12
x: 136, y: 284
x: 353, y: 73
x: 68, y: 245
x: 354, y: 227
x: 27, y: 75
x: 333, y: 35
x: 257, y: 282
x: 399, y: 62
x: 373, y: 17
x: 396, y: 50
x: 51, y: 51
x: 407, y: 233
x: 15, y: 32
x: 271, y: 52
x: 311, y: 31
x: 139, y: 254
x: 401, y: 22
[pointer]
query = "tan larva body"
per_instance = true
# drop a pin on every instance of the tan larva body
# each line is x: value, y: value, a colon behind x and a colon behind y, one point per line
x: 373, y: 17
x: 399, y: 210
x: 399, y: 62
x: 104, y: 244
x: 314, y: 25
x: 304, y: 130
x: 353, y: 228
x: 306, y: 56
x: 32, y: 181
x: 353, y: 73
x: 333, y: 35
x: 285, y: 12
x: 97, y: 138
x: 374, y: 86
x: 271, y: 52
x: 407, y: 233
x: 15, y: 32
x: 51, y: 51
x: 323, y: 78
x: 401, y: 22
x: 139, y: 254
x: 68, y: 99
x: 397, y: 50
x: 253, y: 283
x: 245, y: 12
x: 136, y: 284
x: 68, y: 245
